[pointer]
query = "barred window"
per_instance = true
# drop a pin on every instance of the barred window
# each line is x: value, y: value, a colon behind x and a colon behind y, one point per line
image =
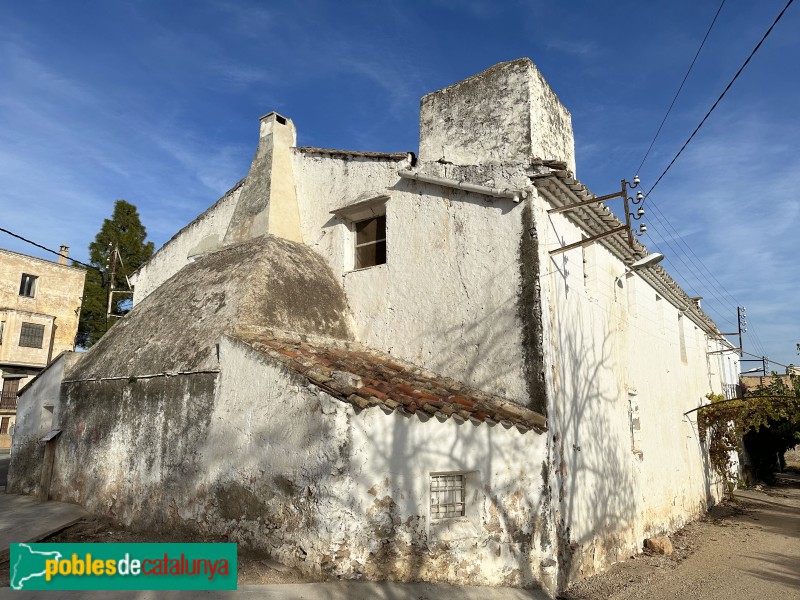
x: 31, y: 335
x: 448, y: 493
x: 27, y: 286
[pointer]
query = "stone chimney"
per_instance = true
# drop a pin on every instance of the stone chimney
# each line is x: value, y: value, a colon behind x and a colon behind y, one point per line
x: 505, y: 115
x: 268, y: 200
x: 63, y: 254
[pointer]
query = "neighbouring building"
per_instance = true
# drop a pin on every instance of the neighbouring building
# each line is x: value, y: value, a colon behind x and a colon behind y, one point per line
x: 750, y: 383
x: 386, y: 366
x: 40, y: 303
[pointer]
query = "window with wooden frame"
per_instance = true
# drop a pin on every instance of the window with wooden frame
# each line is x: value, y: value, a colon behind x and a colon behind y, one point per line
x: 370, y: 242
x: 366, y: 224
x: 4, y: 425
x: 31, y: 335
x: 27, y: 285
x: 9, y: 397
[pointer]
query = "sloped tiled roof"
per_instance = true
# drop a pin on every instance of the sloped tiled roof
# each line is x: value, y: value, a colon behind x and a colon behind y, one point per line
x: 366, y: 378
x: 556, y: 182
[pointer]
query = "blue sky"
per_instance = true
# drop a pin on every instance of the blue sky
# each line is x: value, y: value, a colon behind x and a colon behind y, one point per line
x: 158, y: 102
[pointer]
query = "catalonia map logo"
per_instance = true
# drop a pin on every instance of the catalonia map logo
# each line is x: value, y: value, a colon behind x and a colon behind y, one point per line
x: 123, y: 566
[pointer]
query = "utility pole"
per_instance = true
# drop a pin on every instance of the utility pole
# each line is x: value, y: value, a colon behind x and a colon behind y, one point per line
x: 114, y: 253
x: 111, y: 290
x: 741, y: 320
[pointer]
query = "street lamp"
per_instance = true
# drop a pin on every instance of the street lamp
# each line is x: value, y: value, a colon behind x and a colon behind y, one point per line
x: 647, y: 261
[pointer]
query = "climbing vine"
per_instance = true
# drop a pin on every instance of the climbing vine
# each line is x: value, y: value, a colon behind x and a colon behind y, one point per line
x: 723, y: 423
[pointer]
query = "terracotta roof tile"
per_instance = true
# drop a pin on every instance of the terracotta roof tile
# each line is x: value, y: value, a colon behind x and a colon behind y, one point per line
x: 368, y: 379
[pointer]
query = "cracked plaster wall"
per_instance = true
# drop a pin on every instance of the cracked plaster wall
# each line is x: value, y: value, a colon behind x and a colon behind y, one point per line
x: 38, y: 411
x: 303, y: 476
x: 446, y: 299
x: 256, y: 455
x: 507, y: 114
x: 612, y: 347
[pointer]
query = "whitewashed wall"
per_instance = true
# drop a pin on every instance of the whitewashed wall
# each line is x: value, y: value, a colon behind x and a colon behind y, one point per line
x: 258, y: 456
x: 38, y: 410
x: 202, y: 235
x: 446, y: 299
x: 351, y: 489
x: 627, y: 459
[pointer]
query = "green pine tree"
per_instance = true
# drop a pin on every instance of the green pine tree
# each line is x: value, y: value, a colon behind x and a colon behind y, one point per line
x: 125, y: 230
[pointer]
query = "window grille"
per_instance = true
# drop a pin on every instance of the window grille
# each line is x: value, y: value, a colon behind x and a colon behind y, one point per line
x: 31, y: 335
x: 447, y: 496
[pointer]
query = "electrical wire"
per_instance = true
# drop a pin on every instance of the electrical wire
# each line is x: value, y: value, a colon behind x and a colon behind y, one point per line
x: 700, y: 285
x: 717, y: 289
x: 685, y: 77
x: 725, y: 91
x: 19, y: 237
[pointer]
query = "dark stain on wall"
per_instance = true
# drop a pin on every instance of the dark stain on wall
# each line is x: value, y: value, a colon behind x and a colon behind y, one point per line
x: 529, y: 308
x: 161, y: 423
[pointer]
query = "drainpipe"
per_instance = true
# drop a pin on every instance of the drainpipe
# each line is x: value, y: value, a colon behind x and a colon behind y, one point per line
x: 514, y: 195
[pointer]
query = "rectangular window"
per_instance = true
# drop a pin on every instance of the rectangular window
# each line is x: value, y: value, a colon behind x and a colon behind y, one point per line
x: 9, y: 397
x: 370, y: 247
x: 31, y: 335
x: 2, y: 329
x: 448, y: 493
x: 27, y: 287
x: 4, y: 425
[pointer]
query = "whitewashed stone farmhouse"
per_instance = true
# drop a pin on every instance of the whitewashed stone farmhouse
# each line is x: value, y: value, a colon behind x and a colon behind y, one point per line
x: 370, y: 364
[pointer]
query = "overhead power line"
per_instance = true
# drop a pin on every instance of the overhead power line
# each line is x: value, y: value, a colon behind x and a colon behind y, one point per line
x: 45, y: 248
x: 722, y: 95
x: 685, y: 77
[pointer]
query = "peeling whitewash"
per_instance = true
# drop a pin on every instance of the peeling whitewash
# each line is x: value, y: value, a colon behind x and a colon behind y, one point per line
x: 446, y: 297
x: 624, y: 365
x: 257, y: 455
x: 469, y: 291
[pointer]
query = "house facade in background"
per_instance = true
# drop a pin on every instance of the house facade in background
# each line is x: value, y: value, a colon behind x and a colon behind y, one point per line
x: 380, y: 366
x: 39, y: 308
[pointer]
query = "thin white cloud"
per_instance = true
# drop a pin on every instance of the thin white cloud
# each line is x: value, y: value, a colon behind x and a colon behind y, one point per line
x: 580, y: 48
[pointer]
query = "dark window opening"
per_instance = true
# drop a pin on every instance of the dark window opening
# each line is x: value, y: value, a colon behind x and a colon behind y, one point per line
x: 370, y: 242
x: 280, y: 119
x: 31, y: 335
x: 27, y: 287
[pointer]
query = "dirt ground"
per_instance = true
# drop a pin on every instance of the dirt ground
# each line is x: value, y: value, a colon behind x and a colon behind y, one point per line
x: 748, y: 549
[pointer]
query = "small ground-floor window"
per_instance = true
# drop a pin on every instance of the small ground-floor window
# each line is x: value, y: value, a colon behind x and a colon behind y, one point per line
x: 448, y: 495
